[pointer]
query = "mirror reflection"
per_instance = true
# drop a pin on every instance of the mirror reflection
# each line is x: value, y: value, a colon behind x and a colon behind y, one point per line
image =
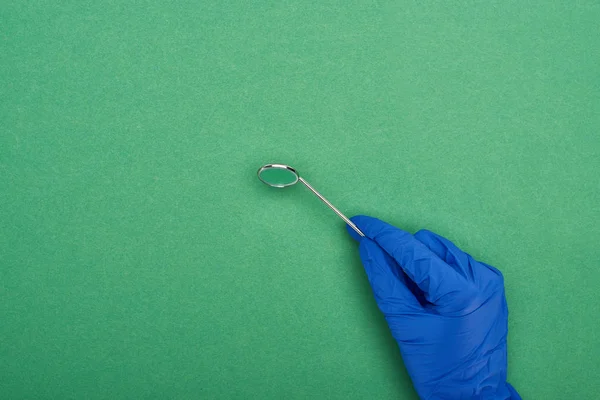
x: 278, y: 175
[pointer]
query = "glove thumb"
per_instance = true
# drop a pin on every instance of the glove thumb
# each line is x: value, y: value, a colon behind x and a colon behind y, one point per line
x: 387, y: 280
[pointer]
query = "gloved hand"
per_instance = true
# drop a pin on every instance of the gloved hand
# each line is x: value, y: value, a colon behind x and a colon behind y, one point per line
x: 446, y: 310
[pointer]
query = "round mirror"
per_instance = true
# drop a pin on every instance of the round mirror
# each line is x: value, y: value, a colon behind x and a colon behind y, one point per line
x: 278, y: 175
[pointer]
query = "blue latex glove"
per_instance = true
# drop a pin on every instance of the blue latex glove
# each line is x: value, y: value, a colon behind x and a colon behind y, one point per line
x: 446, y: 310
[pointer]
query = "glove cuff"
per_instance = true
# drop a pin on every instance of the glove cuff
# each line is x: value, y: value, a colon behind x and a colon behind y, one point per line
x: 513, y: 393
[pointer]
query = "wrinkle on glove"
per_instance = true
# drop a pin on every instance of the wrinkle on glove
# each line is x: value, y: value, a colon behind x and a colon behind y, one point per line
x: 446, y: 310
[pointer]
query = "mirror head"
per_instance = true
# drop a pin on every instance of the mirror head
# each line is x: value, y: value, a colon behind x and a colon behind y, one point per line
x: 278, y: 175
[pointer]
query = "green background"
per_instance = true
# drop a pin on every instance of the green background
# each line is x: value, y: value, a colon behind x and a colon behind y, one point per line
x: 141, y: 258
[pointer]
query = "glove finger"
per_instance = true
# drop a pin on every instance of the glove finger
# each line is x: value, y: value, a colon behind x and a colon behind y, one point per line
x: 353, y: 233
x: 390, y: 289
x: 447, y: 251
x: 432, y: 275
x: 462, y: 262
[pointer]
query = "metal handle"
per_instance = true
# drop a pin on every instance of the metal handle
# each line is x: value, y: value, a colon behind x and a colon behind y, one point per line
x: 338, y: 212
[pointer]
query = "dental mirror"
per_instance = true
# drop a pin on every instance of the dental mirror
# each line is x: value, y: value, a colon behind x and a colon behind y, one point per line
x: 280, y: 176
